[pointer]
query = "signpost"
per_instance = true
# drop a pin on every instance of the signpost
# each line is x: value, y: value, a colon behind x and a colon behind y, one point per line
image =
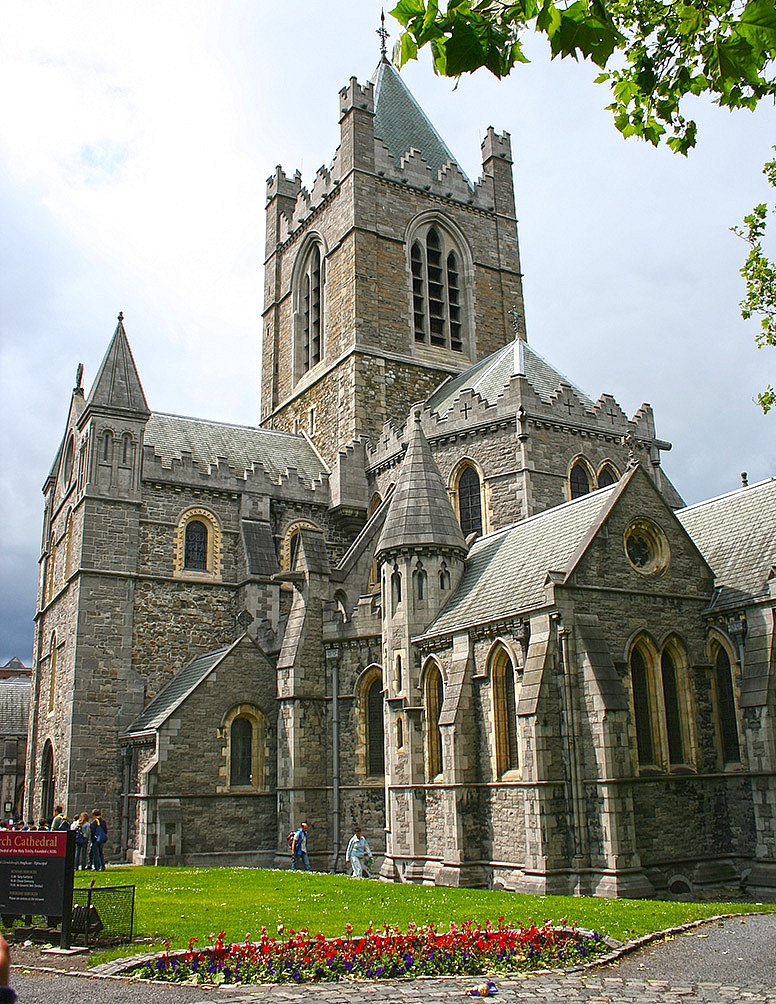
x: 36, y: 875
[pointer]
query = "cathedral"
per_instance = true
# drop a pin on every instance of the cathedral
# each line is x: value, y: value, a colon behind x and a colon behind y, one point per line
x: 439, y: 592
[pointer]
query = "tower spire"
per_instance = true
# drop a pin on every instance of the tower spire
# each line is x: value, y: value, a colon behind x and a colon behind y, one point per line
x: 384, y: 36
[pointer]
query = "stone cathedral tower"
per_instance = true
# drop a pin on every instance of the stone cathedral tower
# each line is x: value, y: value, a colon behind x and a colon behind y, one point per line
x: 349, y: 344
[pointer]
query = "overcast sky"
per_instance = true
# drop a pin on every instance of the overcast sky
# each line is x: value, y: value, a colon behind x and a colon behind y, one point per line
x: 135, y: 144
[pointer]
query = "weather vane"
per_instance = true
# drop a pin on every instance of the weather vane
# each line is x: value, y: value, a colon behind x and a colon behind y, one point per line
x: 384, y: 36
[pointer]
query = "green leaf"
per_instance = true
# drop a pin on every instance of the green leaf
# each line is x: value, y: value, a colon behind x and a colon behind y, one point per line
x: 406, y: 10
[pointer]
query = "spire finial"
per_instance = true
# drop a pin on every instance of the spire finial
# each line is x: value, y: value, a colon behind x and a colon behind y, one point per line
x: 384, y: 36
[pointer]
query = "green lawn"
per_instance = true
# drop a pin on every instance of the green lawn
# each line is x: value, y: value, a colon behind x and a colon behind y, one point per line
x: 176, y: 904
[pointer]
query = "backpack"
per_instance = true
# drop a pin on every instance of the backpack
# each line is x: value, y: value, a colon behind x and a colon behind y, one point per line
x: 100, y: 835
x: 290, y: 840
x: 59, y: 823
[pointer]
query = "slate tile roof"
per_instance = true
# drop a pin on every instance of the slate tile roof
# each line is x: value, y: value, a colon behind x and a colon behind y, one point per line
x: 736, y: 534
x: 242, y: 448
x: 14, y: 706
x: 176, y: 691
x: 490, y: 377
x: 401, y: 123
x: 117, y: 384
x: 505, y: 572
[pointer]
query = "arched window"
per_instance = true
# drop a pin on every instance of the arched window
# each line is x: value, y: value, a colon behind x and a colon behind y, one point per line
x: 241, y: 752
x: 421, y: 582
x: 126, y: 448
x: 107, y: 446
x: 374, y: 729
x: 469, y: 496
x: 579, y: 482
x: 438, y: 314
x: 726, y: 708
x: 245, y: 731
x: 197, y: 551
x: 195, y: 556
x: 399, y: 734
x: 397, y: 676
x: 290, y: 543
x: 309, y: 307
x: 435, y: 696
x: 67, y: 466
x: 444, y: 577
x: 395, y: 587
x: 47, y: 781
x: 642, y: 708
x: 673, y: 716
x: 69, y: 545
x: 52, y: 694
x: 51, y: 570
x: 607, y: 476
x: 505, y: 712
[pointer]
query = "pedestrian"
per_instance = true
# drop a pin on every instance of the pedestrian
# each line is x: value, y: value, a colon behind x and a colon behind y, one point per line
x: 59, y: 822
x: 358, y: 850
x: 99, y: 834
x: 83, y: 837
x: 300, y: 860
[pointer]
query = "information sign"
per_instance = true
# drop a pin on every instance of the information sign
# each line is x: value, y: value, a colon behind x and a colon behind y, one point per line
x: 36, y: 873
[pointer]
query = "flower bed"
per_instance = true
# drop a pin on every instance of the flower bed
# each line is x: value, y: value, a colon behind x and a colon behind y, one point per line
x: 384, y: 954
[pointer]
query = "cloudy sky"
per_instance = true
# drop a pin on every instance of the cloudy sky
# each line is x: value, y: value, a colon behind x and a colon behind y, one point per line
x: 135, y: 143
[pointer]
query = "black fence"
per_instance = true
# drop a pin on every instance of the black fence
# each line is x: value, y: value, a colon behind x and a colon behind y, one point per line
x: 103, y: 916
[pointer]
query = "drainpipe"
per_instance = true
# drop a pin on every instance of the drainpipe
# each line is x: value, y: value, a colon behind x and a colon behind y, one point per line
x: 333, y: 660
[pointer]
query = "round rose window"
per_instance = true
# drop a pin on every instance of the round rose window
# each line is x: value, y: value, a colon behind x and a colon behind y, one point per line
x: 646, y: 547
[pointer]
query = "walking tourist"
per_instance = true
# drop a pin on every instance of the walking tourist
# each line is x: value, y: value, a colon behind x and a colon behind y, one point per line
x: 300, y: 861
x: 357, y: 853
x: 83, y: 837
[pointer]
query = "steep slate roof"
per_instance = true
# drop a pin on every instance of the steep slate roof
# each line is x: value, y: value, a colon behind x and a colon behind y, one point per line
x: 506, y: 571
x: 177, y: 690
x: 14, y: 706
x: 242, y: 447
x: 401, y: 123
x: 736, y: 533
x: 490, y: 377
x: 117, y: 384
x: 420, y: 513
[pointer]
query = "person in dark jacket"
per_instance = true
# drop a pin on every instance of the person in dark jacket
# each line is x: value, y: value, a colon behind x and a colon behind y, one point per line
x: 99, y: 830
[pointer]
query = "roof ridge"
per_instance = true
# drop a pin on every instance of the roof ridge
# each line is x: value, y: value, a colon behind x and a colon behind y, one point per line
x: 228, y: 425
x: 726, y: 495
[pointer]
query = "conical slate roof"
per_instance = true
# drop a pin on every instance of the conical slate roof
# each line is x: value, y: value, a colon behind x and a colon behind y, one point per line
x: 401, y: 123
x: 117, y: 384
x: 420, y: 513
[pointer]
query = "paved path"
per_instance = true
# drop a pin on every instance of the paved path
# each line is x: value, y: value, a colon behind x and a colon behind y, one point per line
x: 726, y: 962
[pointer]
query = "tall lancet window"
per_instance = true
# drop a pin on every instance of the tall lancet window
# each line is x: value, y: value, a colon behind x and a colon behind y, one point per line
x: 312, y: 309
x: 437, y: 289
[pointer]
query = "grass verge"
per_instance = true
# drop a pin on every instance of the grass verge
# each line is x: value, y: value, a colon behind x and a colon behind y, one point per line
x: 175, y: 904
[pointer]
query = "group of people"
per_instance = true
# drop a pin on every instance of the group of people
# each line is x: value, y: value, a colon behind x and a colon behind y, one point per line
x: 358, y: 854
x: 90, y: 837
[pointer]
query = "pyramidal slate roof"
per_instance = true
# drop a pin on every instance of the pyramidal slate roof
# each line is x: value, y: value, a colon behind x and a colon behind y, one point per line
x: 177, y: 690
x: 736, y: 534
x: 506, y: 572
x: 401, y: 123
x: 117, y: 384
x: 420, y: 513
x: 490, y: 377
x: 14, y: 706
x: 242, y: 448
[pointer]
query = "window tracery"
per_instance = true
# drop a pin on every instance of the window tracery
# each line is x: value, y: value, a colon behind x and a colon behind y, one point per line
x: 437, y: 269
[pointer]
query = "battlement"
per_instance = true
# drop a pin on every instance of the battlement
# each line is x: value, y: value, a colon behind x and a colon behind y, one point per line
x: 354, y: 96
x: 496, y: 145
x: 279, y: 184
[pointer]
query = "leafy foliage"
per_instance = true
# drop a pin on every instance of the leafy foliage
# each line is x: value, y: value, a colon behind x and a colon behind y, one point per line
x: 653, y: 53
x: 759, y: 273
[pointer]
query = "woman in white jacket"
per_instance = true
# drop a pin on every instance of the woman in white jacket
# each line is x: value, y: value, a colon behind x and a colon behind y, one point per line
x: 358, y: 849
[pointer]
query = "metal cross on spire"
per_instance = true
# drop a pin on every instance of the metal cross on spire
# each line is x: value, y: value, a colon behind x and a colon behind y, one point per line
x: 384, y: 36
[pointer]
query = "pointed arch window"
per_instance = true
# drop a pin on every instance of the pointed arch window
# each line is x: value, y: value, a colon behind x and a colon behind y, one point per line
x: 309, y: 308
x: 726, y: 708
x: 665, y: 735
x: 673, y: 716
x: 579, y: 481
x: 421, y: 582
x: 47, y: 781
x: 435, y: 696
x: 52, y: 694
x: 67, y: 467
x: 395, y: 587
x: 607, y: 476
x: 438, y: 314
x: 505, y: 689
x: 469, y: 494
x: 375, y: 729
x: 444, y: 577
x: 642, y: 711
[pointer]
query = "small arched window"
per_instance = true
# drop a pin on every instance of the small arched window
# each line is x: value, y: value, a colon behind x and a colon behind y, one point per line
x: 607, y: 476
x: 67, y: 467
x: 437, y: 291
x: 395, y: 587
x: 642, y: 708
x: 579, y: 481
x: 241, y: 752
x: 47, y: 781
x: 444, y: 577
x: 399, y: 734
x: 421, y: 582
x: 126, y: 449
x: 435, y: 696
x: 52, y: 694
x: 107, y: 446
x: 375, y: 729
x: 397, y: 677
x: 195, y: 556
x: 469, y: 501
x: 726, y: 708
x: 676, y: 754
x: 69, y: 545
